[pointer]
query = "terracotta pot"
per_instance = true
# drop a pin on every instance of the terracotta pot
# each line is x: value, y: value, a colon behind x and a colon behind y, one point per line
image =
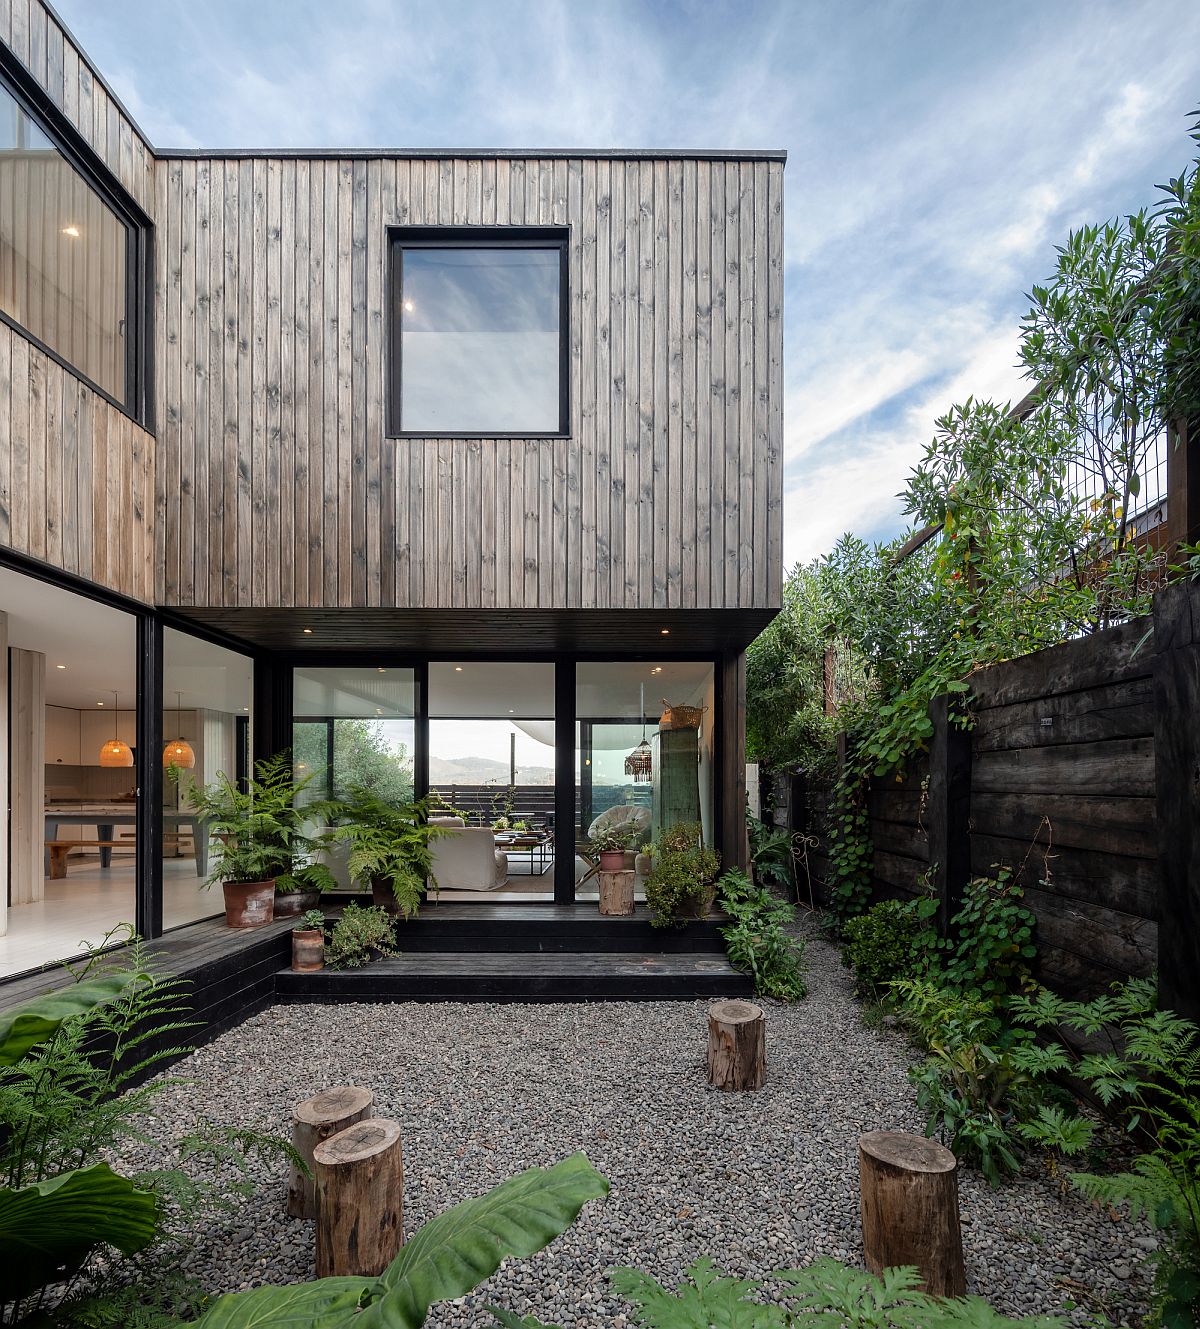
x: 698, y: 907
x: 383, y: 895
x: 308, y: 950
x: 292, y: 904
x: 612, y: 860
x: 248, y: 904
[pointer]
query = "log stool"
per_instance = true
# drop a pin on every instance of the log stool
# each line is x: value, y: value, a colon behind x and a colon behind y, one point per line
x: 616, y: 892
x: 314, y: 1120
x: 360, y: 1199
x: 737, y: 1043
x: 909, y: 1188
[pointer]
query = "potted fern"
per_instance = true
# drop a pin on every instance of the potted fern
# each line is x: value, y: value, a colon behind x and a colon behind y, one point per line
x: 389, y: 847
x: 261, y: 856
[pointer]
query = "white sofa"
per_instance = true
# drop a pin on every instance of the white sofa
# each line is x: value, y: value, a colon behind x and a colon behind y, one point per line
x: 467, y: 859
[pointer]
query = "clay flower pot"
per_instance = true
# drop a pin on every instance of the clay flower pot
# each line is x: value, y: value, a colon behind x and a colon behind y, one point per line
x: 248, y: 904
x: 612, y: 860
x: 291, y: 904
x: 308, y: 950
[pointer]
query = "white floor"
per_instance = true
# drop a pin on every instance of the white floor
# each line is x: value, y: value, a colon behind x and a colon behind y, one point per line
x: 77, y: 910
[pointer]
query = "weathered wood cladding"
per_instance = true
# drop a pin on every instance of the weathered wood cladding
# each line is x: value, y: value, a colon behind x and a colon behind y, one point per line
x: 76, y: 474
x: 278, y: 486
x: 33, y: 33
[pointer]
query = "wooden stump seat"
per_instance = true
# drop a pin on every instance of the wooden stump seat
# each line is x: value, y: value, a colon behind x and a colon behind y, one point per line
x: 313, y: 1121
x: 616, y: 892
x: 909, y: 1188
x: 737, y: 1045
x: 360, y: 1199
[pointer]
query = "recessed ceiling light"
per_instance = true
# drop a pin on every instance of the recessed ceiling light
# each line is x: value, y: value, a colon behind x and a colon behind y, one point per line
x: 382, y: 670
x: 665, y: 631
x: 511, y: 711
x: 60, y: 666
x: 245, y: 708
x: 408, y: 306
x: 72, y: 231
x: 308, y: 632
x: 99, y: 703
x: 458, y: 669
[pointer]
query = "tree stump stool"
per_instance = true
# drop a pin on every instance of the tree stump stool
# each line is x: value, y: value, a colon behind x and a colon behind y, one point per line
x: 737, y: 1045
x: 360, y: 1199
x: 909, y: 1188
x: 616, y: 892
x: 314, y: 1120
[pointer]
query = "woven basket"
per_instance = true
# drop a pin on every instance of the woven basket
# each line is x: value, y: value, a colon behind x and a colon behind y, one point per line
x: 681, y: 717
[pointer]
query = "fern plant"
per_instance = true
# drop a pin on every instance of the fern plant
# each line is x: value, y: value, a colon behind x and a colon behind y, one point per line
x: 826, y: 1293
x: 756, y: 939
x: 389, y: 843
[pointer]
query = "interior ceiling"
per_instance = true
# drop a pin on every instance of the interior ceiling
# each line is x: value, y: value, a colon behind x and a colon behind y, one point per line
x: 486, y: 689
x: 96, y: 644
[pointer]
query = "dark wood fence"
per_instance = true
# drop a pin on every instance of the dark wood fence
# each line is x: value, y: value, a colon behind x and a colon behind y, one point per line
x: 1080, y: 773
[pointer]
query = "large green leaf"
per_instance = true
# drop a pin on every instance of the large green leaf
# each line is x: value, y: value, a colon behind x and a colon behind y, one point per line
x: 456, y: 1251
x: 47, y: 1229
x: 447, y: 1258
x: 327, y: 1303
x: 23, y: 1027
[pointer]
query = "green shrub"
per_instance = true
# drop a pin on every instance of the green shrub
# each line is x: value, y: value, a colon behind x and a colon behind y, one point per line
x: 358, y: 934
x: 755, y: 938
x: 680, y: 884
x: 887, y: 942
x: 991, y: 937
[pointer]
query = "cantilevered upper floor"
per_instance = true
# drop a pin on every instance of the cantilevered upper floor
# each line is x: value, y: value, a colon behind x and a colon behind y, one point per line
x: 472, y: 380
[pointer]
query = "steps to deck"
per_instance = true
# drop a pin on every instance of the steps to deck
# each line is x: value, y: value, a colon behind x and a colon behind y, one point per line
x: 519, y: 952
x: 520, y: 976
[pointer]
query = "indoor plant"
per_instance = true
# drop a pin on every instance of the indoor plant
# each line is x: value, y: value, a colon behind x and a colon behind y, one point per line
x: 308, y: 942
x: 680, y: 884
x: 612, y: 845
x: 389, y: 847
x: 260, y: 852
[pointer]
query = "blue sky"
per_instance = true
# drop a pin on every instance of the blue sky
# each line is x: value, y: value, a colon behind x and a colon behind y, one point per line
x: 938, y: 150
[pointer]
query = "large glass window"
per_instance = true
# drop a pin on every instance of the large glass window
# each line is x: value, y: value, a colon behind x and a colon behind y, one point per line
x: 354, y: 727
x: 207, y: 695
x: 68, y: 737
x: 480, y: 345
x: 64, y: 255
x: 644, y: 754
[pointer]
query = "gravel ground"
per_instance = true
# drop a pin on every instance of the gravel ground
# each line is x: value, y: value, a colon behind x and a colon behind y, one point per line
x: 758, y: 1181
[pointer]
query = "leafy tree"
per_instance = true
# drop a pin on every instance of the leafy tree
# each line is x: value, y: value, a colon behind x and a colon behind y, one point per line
x: 363, y: 757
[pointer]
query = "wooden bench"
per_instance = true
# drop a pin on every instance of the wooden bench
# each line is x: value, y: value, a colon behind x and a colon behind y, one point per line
x: 59, y: 849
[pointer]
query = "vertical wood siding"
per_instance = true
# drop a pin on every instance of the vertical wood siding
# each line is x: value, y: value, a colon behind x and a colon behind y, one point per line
x: 278, y: 485
x: 76, y: 474
x: 58, y: 66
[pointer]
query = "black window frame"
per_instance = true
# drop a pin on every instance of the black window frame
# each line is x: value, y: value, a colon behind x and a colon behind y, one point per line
x: 16, y: 80
x: 401, y: 238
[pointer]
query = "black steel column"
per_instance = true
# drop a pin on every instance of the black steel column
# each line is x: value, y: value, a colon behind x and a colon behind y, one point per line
x: 272, y: 714
x: 564, y: 782
x: 421, y: 731
x: 148, y: 867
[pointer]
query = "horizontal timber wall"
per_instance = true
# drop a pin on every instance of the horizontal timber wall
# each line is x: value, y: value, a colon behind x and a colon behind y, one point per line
x: 278, y: 485
x: 1080, y: 773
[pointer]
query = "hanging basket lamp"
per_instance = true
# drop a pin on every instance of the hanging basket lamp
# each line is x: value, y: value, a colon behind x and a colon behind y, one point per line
x: 178, y: 751
x: 640, y: 763
x: 115, y: 751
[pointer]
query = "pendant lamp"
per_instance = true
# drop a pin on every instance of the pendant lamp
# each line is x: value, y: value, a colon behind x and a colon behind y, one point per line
x: 178, y: 751
x: 115, y: 751
x: 639, y: 763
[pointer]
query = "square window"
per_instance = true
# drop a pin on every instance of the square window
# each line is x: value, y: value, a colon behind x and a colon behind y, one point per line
x: 478, y: 335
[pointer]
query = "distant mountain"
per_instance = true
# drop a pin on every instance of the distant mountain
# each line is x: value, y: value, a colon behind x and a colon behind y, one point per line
x: 483, y: 770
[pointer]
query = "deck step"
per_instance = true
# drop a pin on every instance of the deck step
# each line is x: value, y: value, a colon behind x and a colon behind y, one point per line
x: 442, y: 927
x: 520, y: 976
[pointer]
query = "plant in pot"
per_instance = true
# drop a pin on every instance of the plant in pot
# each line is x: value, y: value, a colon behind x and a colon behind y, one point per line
x: 612, y: 845
x: 389, y: 847
x: 683, y: 868
x: 361, y: 934
x: 308, y: 942
x: 260, y: 848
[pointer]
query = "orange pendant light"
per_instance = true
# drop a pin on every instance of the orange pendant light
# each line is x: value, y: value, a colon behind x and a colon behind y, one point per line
x: 115, y: 751
x: 178, y: 751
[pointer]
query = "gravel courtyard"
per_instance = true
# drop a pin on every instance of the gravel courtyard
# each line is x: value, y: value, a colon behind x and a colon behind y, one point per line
x: 758, y: 1181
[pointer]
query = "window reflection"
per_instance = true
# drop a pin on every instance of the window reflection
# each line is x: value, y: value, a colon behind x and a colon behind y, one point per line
x: 62, y: 254
x: 480, y: 340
